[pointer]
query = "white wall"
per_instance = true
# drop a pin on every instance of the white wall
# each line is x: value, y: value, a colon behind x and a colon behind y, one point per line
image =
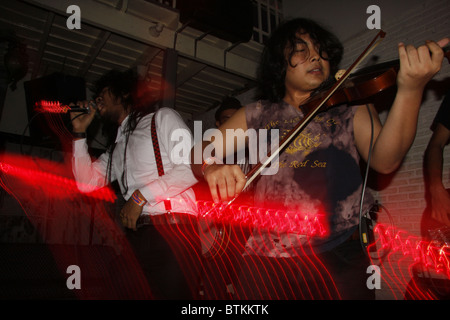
x: 346, y: 18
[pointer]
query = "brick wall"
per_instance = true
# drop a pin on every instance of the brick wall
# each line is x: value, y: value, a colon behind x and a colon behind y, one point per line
x: 403, y: 193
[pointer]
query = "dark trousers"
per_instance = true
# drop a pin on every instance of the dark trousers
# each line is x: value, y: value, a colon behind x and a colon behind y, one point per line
x: 222, y: 270
x: 168, y: 263
x: 336, y: 274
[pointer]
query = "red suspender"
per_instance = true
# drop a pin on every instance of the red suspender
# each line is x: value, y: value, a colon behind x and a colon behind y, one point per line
x: 158, y: 158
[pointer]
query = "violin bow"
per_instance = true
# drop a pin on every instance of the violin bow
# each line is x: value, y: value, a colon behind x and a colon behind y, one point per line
x: 256, y: 170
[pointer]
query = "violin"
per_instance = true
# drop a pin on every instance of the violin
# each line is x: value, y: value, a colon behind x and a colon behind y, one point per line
x: 362, y: 85
x: 312, y: 107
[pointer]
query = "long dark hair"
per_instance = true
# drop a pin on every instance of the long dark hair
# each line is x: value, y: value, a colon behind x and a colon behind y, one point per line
x: 273, y: 66
x: 124, y: 85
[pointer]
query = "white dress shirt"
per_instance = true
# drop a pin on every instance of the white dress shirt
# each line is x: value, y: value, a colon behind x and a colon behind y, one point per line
x: 142, y: 173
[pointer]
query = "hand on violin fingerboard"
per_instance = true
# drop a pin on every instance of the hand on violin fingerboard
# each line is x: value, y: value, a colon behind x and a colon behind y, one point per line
x: 339, y: 74
x: 419, y: 65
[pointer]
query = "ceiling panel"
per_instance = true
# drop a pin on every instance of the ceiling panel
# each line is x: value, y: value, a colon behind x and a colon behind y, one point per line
x: 93, y: 50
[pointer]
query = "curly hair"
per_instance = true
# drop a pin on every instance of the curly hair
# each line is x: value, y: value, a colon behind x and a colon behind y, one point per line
x: 273, y: 66
x: 124, y: 85
x: 120, y: 84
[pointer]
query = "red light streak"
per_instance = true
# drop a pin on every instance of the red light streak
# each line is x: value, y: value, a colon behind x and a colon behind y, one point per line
x: 427, y: 253
x: 61, y: 214
x: 51, y: 107
x: 55, y: 182
x: 59, y: 186
x: 52, y: 111
x: 404, y: 257
x: 265, y: 278
x: 263, y: 218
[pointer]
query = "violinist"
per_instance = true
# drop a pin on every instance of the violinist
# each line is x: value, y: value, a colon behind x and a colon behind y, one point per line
x: 300, y: 58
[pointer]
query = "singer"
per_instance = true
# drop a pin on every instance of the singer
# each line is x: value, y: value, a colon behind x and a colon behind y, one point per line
x: 160, y: 232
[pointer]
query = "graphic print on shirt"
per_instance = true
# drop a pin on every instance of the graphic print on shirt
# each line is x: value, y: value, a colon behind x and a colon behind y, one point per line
x: 318, y: 173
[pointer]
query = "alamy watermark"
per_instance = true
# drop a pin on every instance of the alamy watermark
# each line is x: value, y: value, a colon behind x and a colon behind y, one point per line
x: 235, y: 140
x: 74, y: 20
x: 74, y: 280
x: 374, y: 280
x: 372, y: 22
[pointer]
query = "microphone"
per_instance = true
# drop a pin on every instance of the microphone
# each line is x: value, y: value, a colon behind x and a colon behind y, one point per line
x: 77, y: 109
x: 57, y: 107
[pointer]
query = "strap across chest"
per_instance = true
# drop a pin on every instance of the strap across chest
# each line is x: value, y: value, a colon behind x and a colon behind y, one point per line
x: 157, y: 151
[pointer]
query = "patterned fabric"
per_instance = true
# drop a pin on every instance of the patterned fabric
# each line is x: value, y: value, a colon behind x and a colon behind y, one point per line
x: 318, y: 175
x: 158, y: 158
